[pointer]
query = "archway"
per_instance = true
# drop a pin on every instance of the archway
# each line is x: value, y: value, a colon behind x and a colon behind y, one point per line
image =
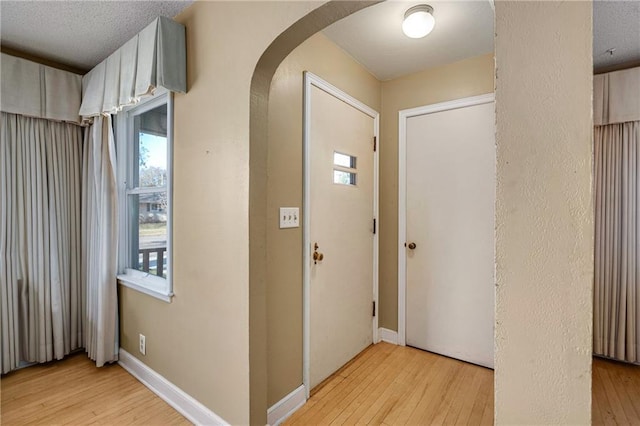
x: 284, y: 44
x: 518, y: 26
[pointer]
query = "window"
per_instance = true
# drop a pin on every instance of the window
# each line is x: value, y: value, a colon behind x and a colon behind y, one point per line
x: 144, y: 177
x: 344, y: 169
x: 344, y: 178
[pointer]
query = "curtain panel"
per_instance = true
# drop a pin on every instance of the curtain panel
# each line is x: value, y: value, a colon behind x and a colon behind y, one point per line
x: 100, y: 242
x: 617, y: 239
x: 58, y: 241
x: 41, y: 294
x: 616, y: 299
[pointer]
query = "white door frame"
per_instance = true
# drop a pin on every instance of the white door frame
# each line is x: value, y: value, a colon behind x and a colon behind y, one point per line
x: 403, y: 116
x: 309, y: 81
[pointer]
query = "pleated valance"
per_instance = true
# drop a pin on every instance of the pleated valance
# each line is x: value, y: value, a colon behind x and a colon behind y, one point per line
x: 616, y: 97
x: 155, y: 57
x: 36, y: 90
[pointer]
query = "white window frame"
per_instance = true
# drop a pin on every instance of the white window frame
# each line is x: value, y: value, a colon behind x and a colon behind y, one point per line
x: 152, y: 285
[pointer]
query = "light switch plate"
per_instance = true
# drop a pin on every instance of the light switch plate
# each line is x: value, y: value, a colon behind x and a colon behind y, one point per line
x: 289, y: 217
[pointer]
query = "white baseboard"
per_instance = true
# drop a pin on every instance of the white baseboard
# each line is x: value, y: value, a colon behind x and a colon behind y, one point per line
x: 388, y: 336
x: 185, y: 404
x: 286, y: 406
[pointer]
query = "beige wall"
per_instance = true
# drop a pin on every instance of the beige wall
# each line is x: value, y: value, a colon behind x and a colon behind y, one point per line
x: 544, y: 229
x: 284, y: 247
x: 200, y: 341
x: 284, y: 189
x: 470, y: 77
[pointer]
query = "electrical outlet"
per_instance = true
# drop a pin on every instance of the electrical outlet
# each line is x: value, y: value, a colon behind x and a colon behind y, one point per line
x: 143, y: 344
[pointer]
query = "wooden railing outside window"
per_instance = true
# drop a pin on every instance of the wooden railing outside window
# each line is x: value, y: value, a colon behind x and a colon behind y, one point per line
x: 147, y: 260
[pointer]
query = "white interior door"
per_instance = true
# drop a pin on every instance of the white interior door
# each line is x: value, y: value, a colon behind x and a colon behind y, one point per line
x: 340, y: 211
x: 450, y: 197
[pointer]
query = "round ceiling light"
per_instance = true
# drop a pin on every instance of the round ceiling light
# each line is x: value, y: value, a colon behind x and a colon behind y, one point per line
x: 418, y: 21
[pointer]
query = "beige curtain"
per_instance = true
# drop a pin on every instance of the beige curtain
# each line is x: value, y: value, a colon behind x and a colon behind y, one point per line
x: 40, y: 282
x: 58, y: 241
x: 617, y: 239
x: 99, y: 242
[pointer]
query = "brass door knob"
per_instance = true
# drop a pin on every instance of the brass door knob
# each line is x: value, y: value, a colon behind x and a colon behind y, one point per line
x: 317, y: 256
x: 412, y: 246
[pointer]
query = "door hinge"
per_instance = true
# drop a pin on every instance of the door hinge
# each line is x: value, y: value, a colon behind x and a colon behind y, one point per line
x: 375, y: 143
x: 373, y: 313
x: 374, y: 225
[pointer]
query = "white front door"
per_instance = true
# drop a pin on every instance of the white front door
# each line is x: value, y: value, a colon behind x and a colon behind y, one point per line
x: 341, y: 196
x: 450, y: 197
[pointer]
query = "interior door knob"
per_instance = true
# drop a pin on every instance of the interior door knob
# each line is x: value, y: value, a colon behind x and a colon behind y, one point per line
x: 317, y: 256
x: 411, y: 246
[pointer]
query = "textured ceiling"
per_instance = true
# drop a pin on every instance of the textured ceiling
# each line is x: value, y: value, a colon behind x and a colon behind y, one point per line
x: 77, y: 33
x: 83, y: 33
x: 374, y: 36
x: 616, y: 25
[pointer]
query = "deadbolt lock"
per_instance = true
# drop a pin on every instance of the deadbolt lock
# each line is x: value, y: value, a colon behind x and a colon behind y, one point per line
x: 411, y: 246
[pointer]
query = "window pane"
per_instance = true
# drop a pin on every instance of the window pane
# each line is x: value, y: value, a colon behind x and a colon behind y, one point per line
x: 150, y: 249
x: 344, y: 178
x: 150, y: 133
x: 344, y: 160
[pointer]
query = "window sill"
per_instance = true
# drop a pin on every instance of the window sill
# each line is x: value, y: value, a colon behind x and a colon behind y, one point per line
x: 145, y: 283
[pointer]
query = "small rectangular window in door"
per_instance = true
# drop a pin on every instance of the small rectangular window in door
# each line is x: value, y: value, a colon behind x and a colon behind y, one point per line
x: 344, y: 178
x: 344, y: 160
x: 344, y: 169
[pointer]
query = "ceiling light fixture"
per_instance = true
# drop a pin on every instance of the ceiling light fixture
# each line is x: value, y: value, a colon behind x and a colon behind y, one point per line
x: 418, y: 21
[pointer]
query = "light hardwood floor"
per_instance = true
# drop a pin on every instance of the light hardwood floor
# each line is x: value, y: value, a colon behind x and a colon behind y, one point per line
x: 73, y: 391
x: 616, y: 393
x: 385, y: 384
x: 395, y: 385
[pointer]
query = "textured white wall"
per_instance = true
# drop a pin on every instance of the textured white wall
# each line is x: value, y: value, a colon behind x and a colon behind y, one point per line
x: 544, y: 245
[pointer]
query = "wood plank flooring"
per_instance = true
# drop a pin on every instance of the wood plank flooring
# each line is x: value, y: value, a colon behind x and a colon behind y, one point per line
x: 73, y: 391
x: 395, y: 385
x: 384, y: 385
x: 616, y: 393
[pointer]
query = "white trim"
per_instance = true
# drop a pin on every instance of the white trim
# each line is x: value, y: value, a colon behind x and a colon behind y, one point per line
x: 388, y: 336
x: 376, y: 214
x: 123, y: 131
x: 186, y: 405
x: 127, y: 280
x: 170, y: 120
x: 310, y: 80
x: 402, y: 225
x: 313, y: 80
x: 288, y: 405
x: 403, y: 116
x: 306, y: 239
